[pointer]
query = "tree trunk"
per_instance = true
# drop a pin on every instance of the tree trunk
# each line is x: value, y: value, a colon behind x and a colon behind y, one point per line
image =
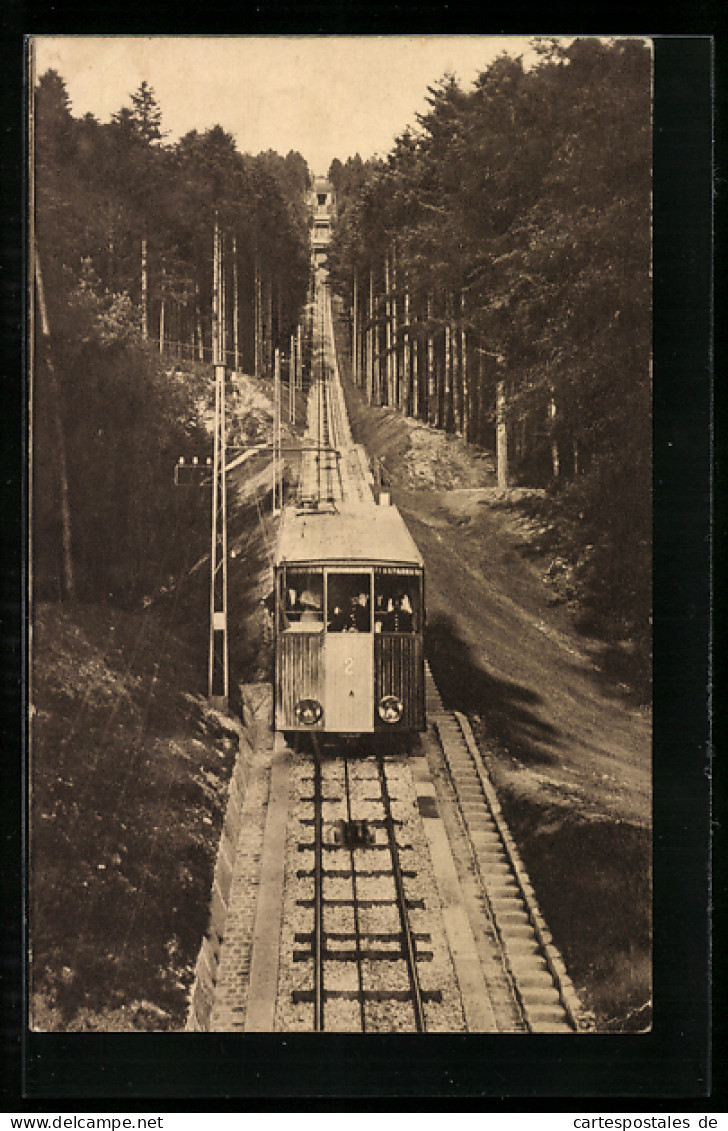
x: 257, y: 302
x: 370, y: 340
x: 555, y: 462
x: 268, y: 328
x: 236, y: 308
x: 388, y: 330
x: 479, y: 399
x: 464, y: 371
x: 145, y: 293
x: 501, y: 435
x: 430, y: 365
x: 416, y: 391
x: 162, y: 312
x: 380, y: 363
x: 406, y: 358
x: 440, y: 343
x: 198, y: 320
x: 394, y: 338
x: 68, y: 582
x: 449, y: 413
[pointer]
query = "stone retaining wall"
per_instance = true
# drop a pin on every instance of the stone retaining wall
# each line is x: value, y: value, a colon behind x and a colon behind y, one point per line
x: 255, y: 703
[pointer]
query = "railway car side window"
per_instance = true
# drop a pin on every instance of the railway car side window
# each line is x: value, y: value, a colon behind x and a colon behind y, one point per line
x: 396, y: 602
x: 349, y: 602
x: 303, y: 601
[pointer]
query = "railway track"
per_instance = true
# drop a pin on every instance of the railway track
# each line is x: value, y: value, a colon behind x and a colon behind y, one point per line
x: 363, y: 952
x: 335, y: 471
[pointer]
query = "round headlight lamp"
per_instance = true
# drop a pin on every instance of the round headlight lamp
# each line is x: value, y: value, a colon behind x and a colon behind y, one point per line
x: 391, y: 709
x: 308, y: 712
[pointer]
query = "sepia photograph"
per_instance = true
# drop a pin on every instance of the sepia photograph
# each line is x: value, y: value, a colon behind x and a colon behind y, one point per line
x: 340, y: 525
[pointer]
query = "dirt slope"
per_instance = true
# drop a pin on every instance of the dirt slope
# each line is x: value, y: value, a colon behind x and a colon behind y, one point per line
x: 498, y: 650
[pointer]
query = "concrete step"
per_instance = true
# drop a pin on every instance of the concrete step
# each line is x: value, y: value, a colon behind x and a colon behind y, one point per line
x: 511, y: 930
x: 484, y: 840
x: 539, y: 1016
x: 515, y: 917
x: 528, y: 969
x: 520, y: 948
x: 501, y: 889
x: 488, y: 845
x: 545, y: 997
x: 494, y: 867
x: 471, y: 795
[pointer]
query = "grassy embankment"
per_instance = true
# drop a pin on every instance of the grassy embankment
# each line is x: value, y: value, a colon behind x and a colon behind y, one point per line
x: 129, y: 775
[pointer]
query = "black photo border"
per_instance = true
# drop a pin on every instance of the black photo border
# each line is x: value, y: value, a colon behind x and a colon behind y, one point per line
x: 669, y: 1067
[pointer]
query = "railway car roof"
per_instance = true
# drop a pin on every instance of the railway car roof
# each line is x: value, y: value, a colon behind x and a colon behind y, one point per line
x: 370, y: 535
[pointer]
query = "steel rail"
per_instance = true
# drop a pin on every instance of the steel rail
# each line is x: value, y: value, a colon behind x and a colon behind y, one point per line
x: 357, y: 925
x: 318, y: 878
x: 408, y: 941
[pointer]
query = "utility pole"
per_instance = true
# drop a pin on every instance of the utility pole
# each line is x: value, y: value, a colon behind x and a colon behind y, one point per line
x: 68, y: 573
x: 218, y: 673
x: 355, y: 330
x: 370, y: 341
x: 292, y: 362
x: 299, y: 357
x: 277, y: 488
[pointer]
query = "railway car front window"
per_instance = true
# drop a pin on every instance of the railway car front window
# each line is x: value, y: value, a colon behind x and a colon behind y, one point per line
x: 303, y: 601
x: 396, y: 602
x: 349, y: 602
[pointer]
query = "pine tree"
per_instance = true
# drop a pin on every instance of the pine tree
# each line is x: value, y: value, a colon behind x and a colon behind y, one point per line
x: 146, y: 114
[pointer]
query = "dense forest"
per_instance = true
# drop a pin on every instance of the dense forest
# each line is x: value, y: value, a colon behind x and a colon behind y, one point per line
x: 495, y: 266
x: 124, y: 265
x: 497, y: 269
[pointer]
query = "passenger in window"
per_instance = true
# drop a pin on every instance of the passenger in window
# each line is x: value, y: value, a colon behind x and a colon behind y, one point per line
x: 359, y: 614
x: 399, y: 618
x: 311, y: 614
x: 338, y: 620
x: 305, y: 613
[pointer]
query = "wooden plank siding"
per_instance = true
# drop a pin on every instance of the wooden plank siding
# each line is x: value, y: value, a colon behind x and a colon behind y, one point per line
x: 299, y: 675
x: 399, y: 670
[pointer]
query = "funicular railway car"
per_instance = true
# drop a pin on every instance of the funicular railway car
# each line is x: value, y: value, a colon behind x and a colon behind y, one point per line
x: 349, y: 616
